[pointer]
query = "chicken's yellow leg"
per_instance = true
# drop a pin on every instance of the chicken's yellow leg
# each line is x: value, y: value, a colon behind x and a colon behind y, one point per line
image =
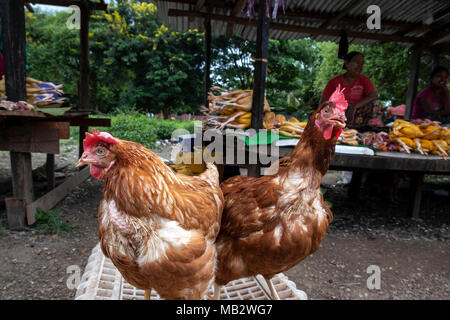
x: 147, y: 294
x: 273, y: 291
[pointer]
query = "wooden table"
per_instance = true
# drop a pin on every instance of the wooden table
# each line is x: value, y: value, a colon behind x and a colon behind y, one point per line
x: 25, y: 132
x: 413, y: 164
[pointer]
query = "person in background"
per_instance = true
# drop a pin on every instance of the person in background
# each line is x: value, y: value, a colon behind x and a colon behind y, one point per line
x: 433, y: 102
x: 359, y: 90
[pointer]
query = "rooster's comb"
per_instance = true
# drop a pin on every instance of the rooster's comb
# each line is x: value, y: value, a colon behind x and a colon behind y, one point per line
x: 338, y: 99
x: 98, y: 136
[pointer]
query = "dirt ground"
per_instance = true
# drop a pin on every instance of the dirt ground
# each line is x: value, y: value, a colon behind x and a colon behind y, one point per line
x: 413, y: 256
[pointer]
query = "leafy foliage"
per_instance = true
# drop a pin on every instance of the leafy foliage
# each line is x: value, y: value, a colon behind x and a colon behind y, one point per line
x: 49, y: 222
x: 139, y: 128
x: 53, y: 50
x: 141, y: 63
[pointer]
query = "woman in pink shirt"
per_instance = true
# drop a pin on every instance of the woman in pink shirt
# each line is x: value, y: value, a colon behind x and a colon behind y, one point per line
x: 359, y: 90
x: 433, y: 102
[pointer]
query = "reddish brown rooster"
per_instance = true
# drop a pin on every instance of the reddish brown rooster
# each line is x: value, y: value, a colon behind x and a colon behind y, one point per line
x: 270, y: 224
x: 158, y: 227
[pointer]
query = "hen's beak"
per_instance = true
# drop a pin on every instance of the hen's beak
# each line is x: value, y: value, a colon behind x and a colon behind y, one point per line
x: 339, y: 121
x: 83, y: 161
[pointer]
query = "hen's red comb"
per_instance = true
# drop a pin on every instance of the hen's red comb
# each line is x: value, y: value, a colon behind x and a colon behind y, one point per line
x: 98, y: 136
x: 338, y: 99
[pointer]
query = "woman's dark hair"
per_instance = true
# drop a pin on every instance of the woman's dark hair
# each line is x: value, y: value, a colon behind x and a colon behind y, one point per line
x: 349, y: 56
x: 436, y: 70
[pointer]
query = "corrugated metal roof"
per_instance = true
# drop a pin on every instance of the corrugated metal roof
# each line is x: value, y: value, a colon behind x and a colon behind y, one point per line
x: 399, y: 11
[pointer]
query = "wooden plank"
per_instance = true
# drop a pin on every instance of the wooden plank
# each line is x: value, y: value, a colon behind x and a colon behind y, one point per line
x: 207, y: 23
x: 29, y: 139
x: 355, y: 184
x: 413, y: 81
x: 13, y: 32
x: 50, y: 171
x: 198, y: 6
x: 236, y: 10
x: 33, y: 114
x: 405, y: 164
x: 16, y: 213
x: 441, y: 34
x: 90, y: 122
x: 65, y: 3
x: 29, y: 7
x: 259, y: 76
x: 358, y: 20
x: 422, y: 26
x: 81, y: 137
x: 83, y: 88
x: 22, y: 175
x: 49, y: 200
x: 62, y: 127
x: 342, y: 14
x: 415, y: 194
x: 299, y: 29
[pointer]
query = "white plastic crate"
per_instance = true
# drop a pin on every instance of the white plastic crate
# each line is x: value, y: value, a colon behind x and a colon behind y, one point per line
x: 102, y: 281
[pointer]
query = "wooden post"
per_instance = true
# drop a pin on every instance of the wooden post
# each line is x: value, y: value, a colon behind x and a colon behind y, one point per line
x: 80, y: 140
x: 13, y: 31
x: 50, y: 169
x: 207, y: 58
x: 413, y: 80
x: 15, y: 207
x: 435, y: 56
x: 22, y: 183
x: 416, y: 194
x: 83, y: 90
x: 22, y: 176
x: 259, y: 82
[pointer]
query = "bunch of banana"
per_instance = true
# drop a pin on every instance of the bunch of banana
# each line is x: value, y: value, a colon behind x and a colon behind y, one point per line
x: 185, y: 164
x: 292, y: 128
x: 231, y: 109
x: 428, y: 137
x: 39, y: 93
x: 349, y: 136
x: 402, y: 128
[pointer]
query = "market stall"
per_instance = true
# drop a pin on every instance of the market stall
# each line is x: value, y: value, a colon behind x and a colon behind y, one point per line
x: 34, y: 115
x: 323, y: 21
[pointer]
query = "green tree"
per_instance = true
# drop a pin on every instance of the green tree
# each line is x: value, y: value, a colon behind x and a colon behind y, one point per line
x: 141, y: 63
x: 53, y: 50
x: 290, y: 76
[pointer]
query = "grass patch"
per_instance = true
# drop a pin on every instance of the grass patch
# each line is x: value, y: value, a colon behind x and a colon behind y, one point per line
x: 50, y: 222
x: 138, y: 127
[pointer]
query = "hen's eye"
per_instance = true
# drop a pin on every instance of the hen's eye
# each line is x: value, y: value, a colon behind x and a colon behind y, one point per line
x: 325, y: 110
x: 101, y: 151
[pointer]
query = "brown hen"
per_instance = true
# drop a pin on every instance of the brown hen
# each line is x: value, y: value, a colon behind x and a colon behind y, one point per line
x: 158, y: 227
x: 270, y: 224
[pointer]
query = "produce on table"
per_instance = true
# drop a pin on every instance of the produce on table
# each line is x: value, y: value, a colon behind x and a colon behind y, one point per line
x: 424, y: 136
x: 291, y: 128
x: 349, y: 136
x: 39, y: 93
x: 231, y: 109
x: 379, y: 141
x: 16, y: 106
